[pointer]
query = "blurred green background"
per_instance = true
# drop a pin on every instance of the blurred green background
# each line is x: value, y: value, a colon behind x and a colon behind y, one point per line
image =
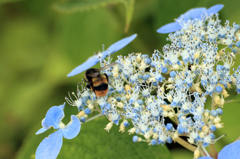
x: 42, y: 40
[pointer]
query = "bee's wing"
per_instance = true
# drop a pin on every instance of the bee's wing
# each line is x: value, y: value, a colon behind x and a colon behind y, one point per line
x: 168, y: 28
x: 84, y: 66
x: 118, y: 45
x: 215, y: 9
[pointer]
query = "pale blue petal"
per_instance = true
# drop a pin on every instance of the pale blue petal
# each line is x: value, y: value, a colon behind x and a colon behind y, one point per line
x: 42, y: 130
x: 195, y: 13
x: 215, y: 9
x: 84, y: 66
x: 50, y: 147
x: 205, y: 157
x: 73, y: 128
x: 231, y: 151
x: 53, y: 117
x: 118, y: 45
x: 168, y: 28
x: 95, y: 59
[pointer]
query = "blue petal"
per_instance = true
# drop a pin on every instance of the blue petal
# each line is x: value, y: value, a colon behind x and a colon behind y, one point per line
x: 50, y: 147
x: 119, y: 45
x: 95, y: 59
x: 195, y: 13
x: 86, y: 65
x: 53, y: 117
x: 205, y: 157
x: 42, y: 130
x: 168, y: 28
x: 231, y: 151
x: 73, y: 128
x: 215, y: 9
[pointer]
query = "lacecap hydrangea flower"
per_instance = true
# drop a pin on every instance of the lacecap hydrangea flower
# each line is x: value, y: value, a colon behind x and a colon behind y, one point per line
x: 163, y: 98
x: 50, y: 147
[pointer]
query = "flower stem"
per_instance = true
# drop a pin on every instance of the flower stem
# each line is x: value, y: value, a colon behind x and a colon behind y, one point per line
x: 204, y: 151
x: 213, y: 151
x: 185, y: 144
x: 94, y: 117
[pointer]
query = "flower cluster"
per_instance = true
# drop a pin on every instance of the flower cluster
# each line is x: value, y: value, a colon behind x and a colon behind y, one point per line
x: 164, y: 97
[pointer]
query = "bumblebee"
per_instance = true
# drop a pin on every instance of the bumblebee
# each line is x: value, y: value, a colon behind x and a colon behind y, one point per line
x: 97, y: 82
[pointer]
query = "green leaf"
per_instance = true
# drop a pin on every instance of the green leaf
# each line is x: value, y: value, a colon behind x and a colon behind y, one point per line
x: 83, y: 34
x: 82, y: 5
x: 230, y: 118
x: 129, y: 6
x: 8, y: 1
x: 231, y: 112
x: 94, y: 142
x: 181, y: 154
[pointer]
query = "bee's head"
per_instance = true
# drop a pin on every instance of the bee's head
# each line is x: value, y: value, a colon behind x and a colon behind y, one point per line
x: 92, y: 73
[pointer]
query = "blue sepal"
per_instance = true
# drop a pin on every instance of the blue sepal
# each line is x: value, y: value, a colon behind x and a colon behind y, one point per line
x: 195, y: 13
x: 231, y: 151
x: 50, y: 147
x: 91, y: 61
x: 53, y: 117
x: 215, y: 9
x: 205, y: 157
x: 168, y: 28
x: 42, y: 130
x: 118, y: 45
x: 72, y: 129
x: 97, y: 58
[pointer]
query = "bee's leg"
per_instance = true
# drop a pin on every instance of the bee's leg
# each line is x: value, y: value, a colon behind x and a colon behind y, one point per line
x: 88, y: 86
